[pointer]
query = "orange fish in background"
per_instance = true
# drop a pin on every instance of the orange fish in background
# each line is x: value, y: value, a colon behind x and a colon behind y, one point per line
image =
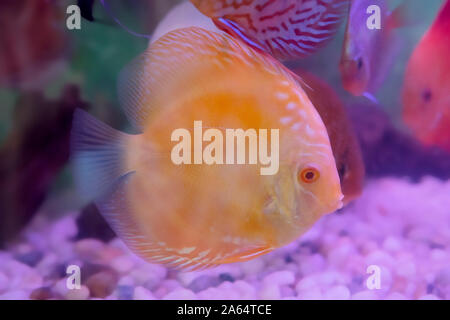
x: 426, y: 91
x: 287, y: 29
x: 343, y: 139
x: 32, y: 42
x: 368, y: 54
x: 200, y: 215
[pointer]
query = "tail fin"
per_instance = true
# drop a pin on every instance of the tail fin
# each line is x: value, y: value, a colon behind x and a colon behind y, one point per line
x: 98, y: 155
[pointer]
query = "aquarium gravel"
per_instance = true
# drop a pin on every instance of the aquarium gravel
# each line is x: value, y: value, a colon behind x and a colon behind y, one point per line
x: 390, y: 228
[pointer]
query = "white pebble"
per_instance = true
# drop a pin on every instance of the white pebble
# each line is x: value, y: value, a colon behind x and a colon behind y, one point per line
x: 395, y: 296
x: 62, y: 230
x: 380, y: 258
x: 365, y: 295
x: 280, y: 278
x: 313, y: 293
x: 89, y: 249
x: 148, y: 273
x: 180, y: 294
x: 245, y: 290
x: 4, y: 284
x: 438, y: 255
x: 253, y: 267
x: 337, y: 293
x: 305, y: 284
x: 126, y: 281
x: 270, y: 292
x: 185, y: 278
x: 78, y: 294
x: 60, y: 287
x: 313, y: 263
x: 140, y: 293
x: 15, y: 295
x: 341, y: 253
x: 406, y: 269
x: 122, y: 264
x: 392, y: 244
x: 21, y: 276
x: 429, y: 297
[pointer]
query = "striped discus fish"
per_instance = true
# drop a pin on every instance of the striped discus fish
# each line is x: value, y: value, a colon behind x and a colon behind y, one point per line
x: 198, y: 215
x: 288, y: 29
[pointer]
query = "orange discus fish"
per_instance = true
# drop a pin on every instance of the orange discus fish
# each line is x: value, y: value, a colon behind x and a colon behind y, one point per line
x: 426, y: 91
x: 288, y: 29
x: 190, y: 88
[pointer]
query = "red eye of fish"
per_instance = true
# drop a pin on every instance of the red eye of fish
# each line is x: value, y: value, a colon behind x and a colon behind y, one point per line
x: 309, y: 175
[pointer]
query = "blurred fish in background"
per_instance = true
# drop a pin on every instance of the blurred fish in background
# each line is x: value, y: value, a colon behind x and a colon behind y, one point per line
x: 426, y: 90
x: 368, y: 54
x: 34, y: 50
x: 343, y: 139
x: 33, y: 155
x: 33, y: 42
x: 286, y: 29
x: 46, y: 72
x: 390, y: 151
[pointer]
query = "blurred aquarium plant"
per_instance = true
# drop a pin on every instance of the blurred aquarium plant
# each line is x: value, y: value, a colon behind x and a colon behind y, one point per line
x: 92, y: 59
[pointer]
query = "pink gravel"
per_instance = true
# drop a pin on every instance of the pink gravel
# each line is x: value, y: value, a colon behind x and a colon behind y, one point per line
x: 398, y: 228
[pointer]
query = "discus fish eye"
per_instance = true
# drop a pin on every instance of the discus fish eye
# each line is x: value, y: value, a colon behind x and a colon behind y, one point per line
x: 308, y: 175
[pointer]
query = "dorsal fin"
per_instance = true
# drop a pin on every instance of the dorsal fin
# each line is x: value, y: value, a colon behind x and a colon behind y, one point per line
x: 155, y: 78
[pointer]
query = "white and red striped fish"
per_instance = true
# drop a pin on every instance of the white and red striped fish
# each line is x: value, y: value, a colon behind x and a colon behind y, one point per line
x: 288, y: 29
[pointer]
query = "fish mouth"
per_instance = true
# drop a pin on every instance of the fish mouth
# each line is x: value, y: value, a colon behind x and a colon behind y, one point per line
x: 352, y: 86
x: 351, y: 79
x: 334, y: 206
